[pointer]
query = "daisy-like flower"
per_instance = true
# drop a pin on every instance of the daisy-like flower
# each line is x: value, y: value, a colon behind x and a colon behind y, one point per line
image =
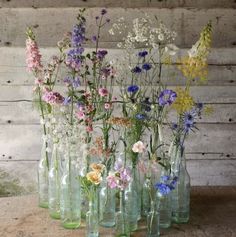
x: 138, y: 147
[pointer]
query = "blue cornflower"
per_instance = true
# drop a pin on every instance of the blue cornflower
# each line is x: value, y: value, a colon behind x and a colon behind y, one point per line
x: 136, y: 69
x: 167, y: 97
x: 142, y: 54
x: 146, y: 66
x: 162, y: 188
x: 132, y: 88
x: 165, y: 178
x: 140, y: 116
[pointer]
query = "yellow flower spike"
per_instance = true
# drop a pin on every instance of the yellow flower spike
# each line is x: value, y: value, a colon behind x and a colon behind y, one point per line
x: 184, y: 102
x: 208, y: 110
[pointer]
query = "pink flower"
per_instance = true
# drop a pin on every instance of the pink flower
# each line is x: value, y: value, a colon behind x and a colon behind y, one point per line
x: 138, y: 147
x: 33, y: 57
x: 103, y: 92
x: 89, y: 128
x: 80, y: 115
x: 107, y: 105
x: 112, y: 181
x: 38, y: 81
x: 52, y: 97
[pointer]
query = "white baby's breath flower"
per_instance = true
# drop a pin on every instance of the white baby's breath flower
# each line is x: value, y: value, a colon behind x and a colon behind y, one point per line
x: 171, y: 49
x: 161, y: 37
x: 48, y: 150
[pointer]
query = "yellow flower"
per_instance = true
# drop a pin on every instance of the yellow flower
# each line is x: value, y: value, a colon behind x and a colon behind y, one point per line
x: 184, y: 102
x: 208, y: 110
x: 94, y: 177
x: 97, y: 167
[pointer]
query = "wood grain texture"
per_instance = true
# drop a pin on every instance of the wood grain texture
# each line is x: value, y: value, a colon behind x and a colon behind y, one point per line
x: 119, y: 3
x: 50, y: 27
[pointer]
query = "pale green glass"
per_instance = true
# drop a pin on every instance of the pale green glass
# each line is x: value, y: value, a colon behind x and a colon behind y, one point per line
x: 153, y: 221
x: 146, y: 202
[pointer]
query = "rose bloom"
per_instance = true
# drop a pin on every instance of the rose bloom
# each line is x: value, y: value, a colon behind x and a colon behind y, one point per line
x: 138, y: 147
x: 103, y: 92
x: 94, y: 177
x: 97, y: 167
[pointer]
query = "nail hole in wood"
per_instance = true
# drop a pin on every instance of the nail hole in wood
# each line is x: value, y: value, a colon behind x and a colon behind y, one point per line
x: 8, y: 0
x: 3, y: 155
x: 9, y: 157
x: 230, y: 120
x: 234, y: 43
x: 35, y: 26
x: 8, y: 81
x: 227, y: 155
x: 8, y: 121
x: 7, y: 43
x: 231, y: 81
x: 203, y: 153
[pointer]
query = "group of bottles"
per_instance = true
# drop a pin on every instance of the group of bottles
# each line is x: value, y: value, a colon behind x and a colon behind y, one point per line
x: 60, y: 191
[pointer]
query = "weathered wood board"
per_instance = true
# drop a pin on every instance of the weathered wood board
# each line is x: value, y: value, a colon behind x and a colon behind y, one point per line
x: 50, y: 27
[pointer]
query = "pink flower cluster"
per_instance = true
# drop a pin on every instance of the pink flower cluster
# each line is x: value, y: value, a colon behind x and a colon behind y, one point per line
x: 52, y: 97
x: 33, y: 57
x: 120, y: 179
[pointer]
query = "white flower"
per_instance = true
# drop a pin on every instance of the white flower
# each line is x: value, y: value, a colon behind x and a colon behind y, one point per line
x: 138, y: 147
x: 161, y: 37
x: 194, y: 50
x: 171, y: 49
x: 42, y: 121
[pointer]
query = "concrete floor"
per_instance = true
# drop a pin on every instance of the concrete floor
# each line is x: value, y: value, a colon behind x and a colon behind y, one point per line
x: 213, y: 214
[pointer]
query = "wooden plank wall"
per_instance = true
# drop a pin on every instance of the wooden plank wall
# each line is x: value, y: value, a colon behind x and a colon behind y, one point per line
x: 211, y: 152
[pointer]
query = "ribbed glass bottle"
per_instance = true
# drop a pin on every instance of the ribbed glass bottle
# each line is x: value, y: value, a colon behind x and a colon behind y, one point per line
x: 54, y: 183
x: 43, y: 168
x: 70, y: 203
x: 181, y: 194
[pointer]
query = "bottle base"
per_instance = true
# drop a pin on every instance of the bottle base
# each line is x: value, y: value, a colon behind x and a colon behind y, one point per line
x: 180, y: 218
x: 55, y: 215
x: 107, y: 224
x: 93, y: 235
x: 165, y: 225
x: 133, y: 227
x: 71, y: 225
x: 43, y: 204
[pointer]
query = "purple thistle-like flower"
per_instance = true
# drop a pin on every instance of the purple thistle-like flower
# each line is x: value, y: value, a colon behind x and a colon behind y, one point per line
x: 136, y: 69
x: 132, y: 89
x: 143, y: 54
x: 103, y: 12
x: 146, y: 66
x: 167, y: 97
x: 101, y: 54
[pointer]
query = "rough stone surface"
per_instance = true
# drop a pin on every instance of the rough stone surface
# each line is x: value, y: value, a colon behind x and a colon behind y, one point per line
x: 213, y: 213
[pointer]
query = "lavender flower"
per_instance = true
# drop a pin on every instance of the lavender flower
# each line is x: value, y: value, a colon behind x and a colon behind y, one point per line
x: 167, y: 97
x: 146, y: 66
x: 132, y: 88
x: 136, y: 69
x: 67, y: 101
x: 101, y: 54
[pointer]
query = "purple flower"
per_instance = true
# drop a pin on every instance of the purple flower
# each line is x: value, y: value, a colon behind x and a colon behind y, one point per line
x: 118, y: 165
x: 165, y: 178
x: 146, y: 66
x: 67, y: 101
x: 162, y: 188
x: 94, y: 38
x: 142, y: 54
x: 132, y: 89
x: 103, y: 12
x: 136, y: 69
x: 167, y: 97
x: 174, y: 126
x: 76, y: 82
x: 140, y: 116
x: 173, y: 183
x: 101, y: 54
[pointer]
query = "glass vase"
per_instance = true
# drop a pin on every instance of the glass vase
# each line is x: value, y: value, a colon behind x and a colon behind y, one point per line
x: 107, y: 206
x: 122, y: 219
x: 92, y: 218
x: 146, y: 202
x: 181, y: 193
x: 54, y: 178
x: 131, y: 205
x: 70, y: 200
x: 43, y: 168
x: 153, y: 221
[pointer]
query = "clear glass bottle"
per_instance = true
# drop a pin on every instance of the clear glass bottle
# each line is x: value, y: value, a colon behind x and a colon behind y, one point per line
x: 122, y: 219
x: 131, y: 206
x: 107, y: 205
x: 153, y: 221
x: 54, y: 183
x: 92, y: 218
x: 70, y: 200
x: 181, y: 194
x: 146, y: 202
x: 43, y: 168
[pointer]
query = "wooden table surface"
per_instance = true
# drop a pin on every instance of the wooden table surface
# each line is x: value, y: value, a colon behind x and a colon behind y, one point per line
x: 213, y: 214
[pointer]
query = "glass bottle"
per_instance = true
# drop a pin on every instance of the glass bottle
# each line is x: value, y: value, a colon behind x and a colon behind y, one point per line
x: 131, y: 206
x: 122, y: 219
x: 70, y: 200
x: 181, y: 193
x: 43, y: 168
x: 107, y: 206
x: 153, y: 222
x: 146, y: 202
x: 92, y: 220
x: 54, y: 183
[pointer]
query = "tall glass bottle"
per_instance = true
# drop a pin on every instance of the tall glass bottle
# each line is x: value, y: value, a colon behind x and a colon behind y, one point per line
x: 70, y: 203
x: 146, y: 202
x: 92, y: 218
x: 43, y: 169
x: 153, y: 221
x: 54, y: 183
x: 107, y: 206
x: 181, y: 194
x: 131, y: 206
